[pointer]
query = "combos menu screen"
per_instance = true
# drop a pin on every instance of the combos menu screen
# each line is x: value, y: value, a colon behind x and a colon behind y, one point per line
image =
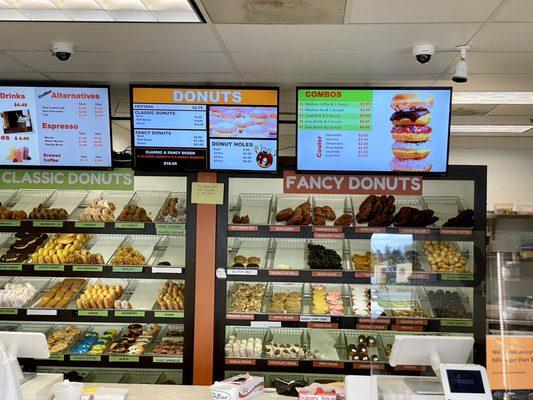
x: 373, y: 130
x: 55, y: 126
x: 205, y: 128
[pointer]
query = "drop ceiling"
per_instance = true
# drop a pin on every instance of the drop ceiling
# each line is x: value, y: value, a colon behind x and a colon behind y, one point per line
x: 293, y: 42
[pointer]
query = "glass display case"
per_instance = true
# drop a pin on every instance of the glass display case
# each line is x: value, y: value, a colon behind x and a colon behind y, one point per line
x: 316, y: 286
x: 107, y: 276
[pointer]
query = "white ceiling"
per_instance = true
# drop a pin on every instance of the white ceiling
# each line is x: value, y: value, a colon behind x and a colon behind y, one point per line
x: 372, y: 47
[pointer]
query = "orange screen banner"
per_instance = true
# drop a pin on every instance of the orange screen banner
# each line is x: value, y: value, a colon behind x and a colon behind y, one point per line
x: 352, y: 184
x: 510, y: 362
x: 242, y: 97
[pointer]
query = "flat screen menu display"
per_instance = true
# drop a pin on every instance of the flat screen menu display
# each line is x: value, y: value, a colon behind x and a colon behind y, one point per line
x: 205, y: 128
x: 373, y: 130
x: 48, y: 126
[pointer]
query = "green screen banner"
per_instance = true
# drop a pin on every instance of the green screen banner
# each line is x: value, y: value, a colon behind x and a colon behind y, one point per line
x: 117, y: 179
x: 335, y: 95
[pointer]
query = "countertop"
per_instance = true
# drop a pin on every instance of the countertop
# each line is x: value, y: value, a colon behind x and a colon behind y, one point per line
x: 173, y: 392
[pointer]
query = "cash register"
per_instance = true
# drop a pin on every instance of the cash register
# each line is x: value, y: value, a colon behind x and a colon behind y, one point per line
x: 16, y: 385
x: 454, y: 379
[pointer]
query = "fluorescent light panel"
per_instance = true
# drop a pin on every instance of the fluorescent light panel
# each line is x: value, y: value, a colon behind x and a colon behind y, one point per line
x: 490, y: 128
x: 98, y: 10
x: 492, y: 98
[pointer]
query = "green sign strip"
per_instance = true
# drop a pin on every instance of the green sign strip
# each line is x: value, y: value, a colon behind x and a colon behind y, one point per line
x: 167, y: 360
x: 48, y: 224
x: 115, y: 179
x: 169, y: 314
x: 461, y: 323
x: 57, y: 357
x: 128, y: 269
x: 87, y: 268
x: 457, y: 277
x: 93, y: 313
x: 83, y: 357
x: 130, y: 313
x: 170, y: 229
x: 89, y: 224
x: 8, y: 222
x: 130, y: 359
x: 129, y: 225
x: 9, y: 311
x: 10, y: 267
x: 49, y: 267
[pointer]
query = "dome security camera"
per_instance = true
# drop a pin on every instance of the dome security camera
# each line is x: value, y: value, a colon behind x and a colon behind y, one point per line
x: 62, y: 50
x: 460, y: 72
x: 423, y: 52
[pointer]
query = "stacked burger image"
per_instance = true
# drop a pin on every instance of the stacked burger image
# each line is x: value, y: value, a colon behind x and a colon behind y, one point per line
x: 411, y: 132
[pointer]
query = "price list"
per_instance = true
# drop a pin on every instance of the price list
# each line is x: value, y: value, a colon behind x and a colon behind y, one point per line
x: 335, y: 116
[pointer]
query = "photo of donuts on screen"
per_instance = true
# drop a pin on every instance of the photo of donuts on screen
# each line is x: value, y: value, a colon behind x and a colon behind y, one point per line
x: 411, y: 132
x: 243, y: 122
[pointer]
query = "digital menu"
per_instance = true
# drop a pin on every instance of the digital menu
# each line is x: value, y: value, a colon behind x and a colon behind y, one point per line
x: 205, y: 128
x: 373, y: 130
x: 49, y: 126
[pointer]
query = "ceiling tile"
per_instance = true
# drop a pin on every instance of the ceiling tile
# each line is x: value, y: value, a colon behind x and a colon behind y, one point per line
x: 516, y: 10
x: 412, y: 11
x: 7, y: 14
x: 275, y: 11
x: 505, y: 37
x: 8, y: 64
x: 45, y: 15
x: 88, y: 15
x: 110, y: 37
x: 336, y: 64
x: 133, y: 15
x: 365, y: 38
x: 513, y: 109
x: 472, y: 109
x: 23, y: 76
x: 127, y: 62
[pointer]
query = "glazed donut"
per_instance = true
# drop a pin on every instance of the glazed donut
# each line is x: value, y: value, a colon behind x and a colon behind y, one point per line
x: 414, y: 117
x: 225, y: 129
x: 411, y: 133
x: 411, y: 101
x: 411, y: 150
x: 423, y: 165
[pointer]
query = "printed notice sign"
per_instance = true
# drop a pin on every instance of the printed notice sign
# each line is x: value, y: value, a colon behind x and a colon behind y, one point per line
x: 510, y: 362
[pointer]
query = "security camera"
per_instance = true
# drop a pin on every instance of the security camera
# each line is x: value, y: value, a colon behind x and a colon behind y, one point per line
x: 460, y: 72
x: 62, y: 50
x: 423, y: 52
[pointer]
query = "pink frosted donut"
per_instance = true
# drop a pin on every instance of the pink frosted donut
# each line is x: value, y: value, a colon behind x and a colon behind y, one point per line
x: 423, y: 165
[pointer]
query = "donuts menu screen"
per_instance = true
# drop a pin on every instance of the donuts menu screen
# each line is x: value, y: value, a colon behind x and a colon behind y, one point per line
x: 373, y: 130
x: 205, y: 128
x: 48, y: 126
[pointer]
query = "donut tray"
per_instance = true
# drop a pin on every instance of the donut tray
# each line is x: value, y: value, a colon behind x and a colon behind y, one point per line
x: 6, y: 195
x: 151, y: 201
x: 155, y: 292
x: 341, y: 247
x: 67, y: 199
x: 352, y: 337
x: 170, y: 249
x: 118, y: 197
x: 288, y: 254
x: 82, y: 329
x: 144, y: 244
x: 162, y: 336
x: 249, y: 247
x: 329, y: 287
x: 328, y: 342
x: 278, y: 287
x: 181, y: 218
x: 445, y: 207
x: 339, y: 204
x: 256, y: 205
x: 28, y: 199
x: 288, y: 201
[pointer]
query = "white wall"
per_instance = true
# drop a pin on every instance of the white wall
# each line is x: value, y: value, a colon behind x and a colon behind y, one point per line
x: 509, y: 167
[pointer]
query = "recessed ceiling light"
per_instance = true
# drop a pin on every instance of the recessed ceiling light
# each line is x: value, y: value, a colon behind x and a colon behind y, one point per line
x: 492, y: 98
x: 99, y: 10
x: 491, y: 128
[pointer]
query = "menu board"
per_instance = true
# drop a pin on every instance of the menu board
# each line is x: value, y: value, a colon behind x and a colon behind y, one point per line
x: 373, y: 130
x: 48, y: 126
x: 204, y: 128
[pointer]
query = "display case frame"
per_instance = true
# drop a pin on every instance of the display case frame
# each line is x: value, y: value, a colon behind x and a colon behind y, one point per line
x: 118, y: 317
x: 475, y: 281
